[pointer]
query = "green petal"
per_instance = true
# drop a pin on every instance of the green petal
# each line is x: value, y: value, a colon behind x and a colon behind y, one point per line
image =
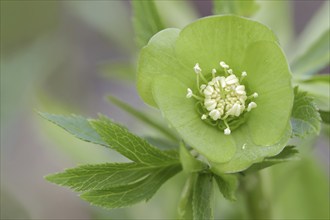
x: 170, y: 95
x: 219, y: 38
x: 158, y: 58
x: 269, y: 76
x: 248, y: 152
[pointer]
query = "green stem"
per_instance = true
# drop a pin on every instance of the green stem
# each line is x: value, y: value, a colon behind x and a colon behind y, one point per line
x: 257, y: 203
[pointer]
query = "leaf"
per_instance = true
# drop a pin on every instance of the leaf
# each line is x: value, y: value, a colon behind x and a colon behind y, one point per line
x: 244, y: 7
x: 143, y: 117
x: 76, y: 125
x: 228, y: 184
x: 127, y: 195
x: 315, y: 58
x: 203, y: 197
x: 189, y: 163
x: 305, y: 118
x: 325, y: 116
x: 129, y: 145
x: 102, y: 176
x: 146, y: 21
x: 318, y: 87
x: 288, y: 154
x: 185, y: 209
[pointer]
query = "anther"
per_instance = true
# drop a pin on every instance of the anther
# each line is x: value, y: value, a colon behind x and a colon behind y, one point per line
x: 204, y: 117
x: 227, y: 131
x: 197, y: 69
x: 251, y: 106
x: 231, y: 80
x: 224, y: 65
x: 189, y: 93
x: 215, y: 114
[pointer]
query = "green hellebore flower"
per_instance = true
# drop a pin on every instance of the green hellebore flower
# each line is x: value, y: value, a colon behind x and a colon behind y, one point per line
x: 224, y: 84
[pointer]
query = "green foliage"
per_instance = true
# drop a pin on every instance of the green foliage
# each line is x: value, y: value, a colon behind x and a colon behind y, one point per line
x: 315, y: 58
x: 102, y: 176
x: 243, y: 7
x: 305, y: 118
x: 146, y: 21
x: 76, y: 125
x: 325, y: 116
x: 202, y: 201
x: 117, y: 184
x: 228, y: 184
x: 127, y: 195
x: 129, y: 145
x: 185, y: 209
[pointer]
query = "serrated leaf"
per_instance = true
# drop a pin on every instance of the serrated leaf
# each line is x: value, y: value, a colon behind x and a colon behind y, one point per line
x: 203, y: 197
x: 102, y: 176
x: 318, y: 87
x: 128, y: 144
x: 325, y: 116
x: 305, y: 118
x: 76, y: 125
x: 146, y: 21
x: 185, y: 209
x: 289, y: 153
x: 127, y: 195
x: 315, y: 58
x: 142, y: 117
x: 244, y: 7
x: 228, y: 184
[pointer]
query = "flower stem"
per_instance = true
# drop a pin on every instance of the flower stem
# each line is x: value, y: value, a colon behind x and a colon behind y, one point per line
x: 257, y: 203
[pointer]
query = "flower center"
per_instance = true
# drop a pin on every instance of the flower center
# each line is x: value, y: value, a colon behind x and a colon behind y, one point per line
x: 223, y: 99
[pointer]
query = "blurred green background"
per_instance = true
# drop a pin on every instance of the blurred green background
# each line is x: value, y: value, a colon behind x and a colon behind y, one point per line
x: 65, y: 56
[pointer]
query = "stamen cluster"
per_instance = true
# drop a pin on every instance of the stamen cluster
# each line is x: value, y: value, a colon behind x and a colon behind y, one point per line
x: 223, y: 97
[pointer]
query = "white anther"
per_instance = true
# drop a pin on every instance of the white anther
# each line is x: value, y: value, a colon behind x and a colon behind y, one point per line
x: 203, y: 86
x: 223, y: 81
x: 251, y: 106
x: 240, y: 90
x: 214, y: 71
x: 235, y: 110
x: 210, y: 104
x: 244, y: 74
x: 255, y: 95
x: 230, y: 71
x: 232, y: 79
x: 189, y: 93
x: 204, y: 117
x: 197, y: 69
x: 215, y: 114
x: 224, y: 65
x: 208, y: 90
x: 227, y: 131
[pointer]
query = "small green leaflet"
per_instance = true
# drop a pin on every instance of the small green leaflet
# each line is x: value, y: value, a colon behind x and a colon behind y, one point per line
x: 76, y: 125
x: 185, y: 209
x: 102, y: 176
x: 228, y: 184
x: 289, y: 153
x: 146, y: 21
x: 244, y: 7
x: 129, y: 145
x: 305, y: 118
x: 325, y: 116
x: 202, y: 201
x: 127, y: 195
